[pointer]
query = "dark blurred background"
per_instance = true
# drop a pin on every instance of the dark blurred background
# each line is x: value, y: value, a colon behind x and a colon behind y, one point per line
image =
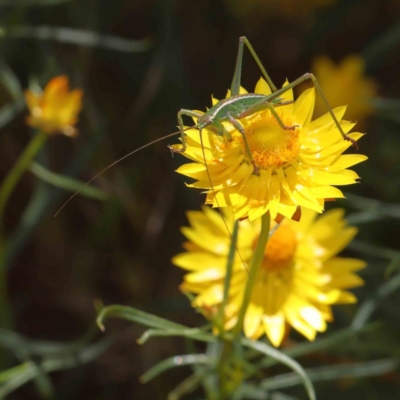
x: 172, y: 54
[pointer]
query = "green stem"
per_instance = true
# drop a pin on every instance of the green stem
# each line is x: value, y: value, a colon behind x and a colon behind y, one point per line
x: 6, y: 189
x: 228, y: 276
x: 255, y: 264
x: 16, y: 172
x: 226, y: 347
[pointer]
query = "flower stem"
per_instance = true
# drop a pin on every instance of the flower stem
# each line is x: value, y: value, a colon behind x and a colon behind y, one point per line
x: 228, y: 276
x: 18, y: 169
x: 6, y: 189
x: 255, y: 264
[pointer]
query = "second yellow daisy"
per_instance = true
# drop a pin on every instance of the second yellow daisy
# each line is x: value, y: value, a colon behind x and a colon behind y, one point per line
x: 298, y: 281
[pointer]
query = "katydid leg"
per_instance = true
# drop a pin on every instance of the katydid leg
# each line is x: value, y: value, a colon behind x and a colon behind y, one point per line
x: 239, y: 128
x: 321, y: 93
x: 189, y: 113
x: 263, y: 104
x: 235, y: 87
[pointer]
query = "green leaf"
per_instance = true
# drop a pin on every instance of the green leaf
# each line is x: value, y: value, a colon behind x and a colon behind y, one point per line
x: 384, y: 43
x: 174, y: 362
x: 27, y: 3
x: 67, y: 183
x: 13, y: 372
x: 162, y: 327
x: 391, y: 210
x: 373, y: 249
x: 79, y: 37
x: 9, y: 111
x: 30, y: 370
x: 188, y: 385
x: 10, y: 81
x: 371, y: 304
x: 24, y: 347
x: 323, y: 344
x: 283, y: 359
x: 135, y: 315
x: 355, y: 370
x: 189, y: 333
x: 250, y: 391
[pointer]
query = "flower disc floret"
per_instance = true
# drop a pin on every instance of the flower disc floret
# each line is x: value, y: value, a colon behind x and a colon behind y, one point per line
x: 271, y: 145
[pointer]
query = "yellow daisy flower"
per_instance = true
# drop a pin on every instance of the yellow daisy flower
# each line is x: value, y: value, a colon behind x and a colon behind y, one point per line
x: 345, y: 83
x: 300, y: 277
x: 298, y: 167
x: 56, y: 109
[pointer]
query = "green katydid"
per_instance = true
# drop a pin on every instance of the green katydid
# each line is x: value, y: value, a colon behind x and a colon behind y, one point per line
x: 233, y: 109
x: 239, y: 106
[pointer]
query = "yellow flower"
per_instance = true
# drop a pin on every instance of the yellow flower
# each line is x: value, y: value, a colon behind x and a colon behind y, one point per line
x: 345, y: 83
x: 298, y: 281
x: 56, y: 109
x: 298, y: 168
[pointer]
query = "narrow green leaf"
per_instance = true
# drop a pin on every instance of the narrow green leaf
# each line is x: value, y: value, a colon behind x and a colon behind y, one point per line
x: 250, y: 391
x: 78, y: 37
x: 384, y: 43
x: 356, y: 370
x: 325, y: 343
x: 394, y: 265
x: 18, y: 380
x: 43, y: 383
x: 140, y: 317
x: 373, y: 250
x: 194, y: 334
x: 173, y: 362
x: 284, y: 359
x: 13, y: 372
x: 189, y: 385
x: 31, y: 370
x: 10, y: 81
x: 27, y: 3
x: 387, y: 108
x: 371, y: 304
x: 9, y: 111
x: 25, y: 347
x: 373, y: 205
x: 67, y: 183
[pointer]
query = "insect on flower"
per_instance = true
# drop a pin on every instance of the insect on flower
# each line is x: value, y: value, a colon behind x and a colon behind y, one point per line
x: 299, y: 158
x: 264, y: 153
x: 239, y: 106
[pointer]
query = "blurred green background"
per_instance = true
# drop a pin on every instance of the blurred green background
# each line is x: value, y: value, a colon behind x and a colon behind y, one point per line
x: 138, y: 63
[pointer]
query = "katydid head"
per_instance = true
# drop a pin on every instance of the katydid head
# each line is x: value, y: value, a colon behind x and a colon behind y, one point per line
x: 204, y: 121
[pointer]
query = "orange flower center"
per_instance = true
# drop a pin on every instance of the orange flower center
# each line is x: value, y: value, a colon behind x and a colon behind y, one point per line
x: 270, y: 144
x: 279, y: 252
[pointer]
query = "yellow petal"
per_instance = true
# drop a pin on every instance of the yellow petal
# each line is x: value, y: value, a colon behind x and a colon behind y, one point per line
x: 274, y: 326
x: 262, y: 87
x: 342, y: 265
x: 304, y: 107
x: 293, y: 317
x: 252, y: 320
x: 199, y: 261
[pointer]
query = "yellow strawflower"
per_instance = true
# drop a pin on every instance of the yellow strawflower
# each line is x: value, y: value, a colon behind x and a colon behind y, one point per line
x: 56, y: 109
x: 345, y: 83
x: 298, y: 168
x: 298, y: 281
